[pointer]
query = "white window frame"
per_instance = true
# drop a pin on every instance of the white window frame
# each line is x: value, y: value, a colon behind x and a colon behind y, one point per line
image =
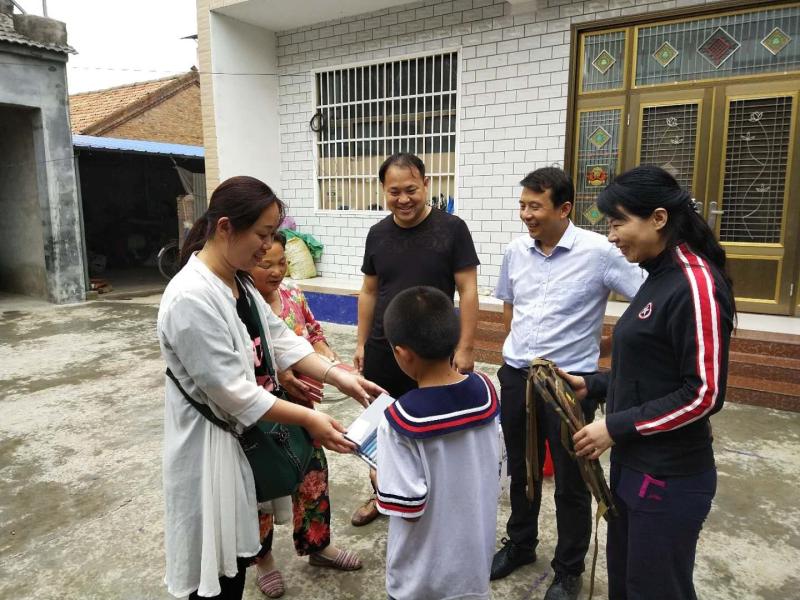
x: 373, y: 184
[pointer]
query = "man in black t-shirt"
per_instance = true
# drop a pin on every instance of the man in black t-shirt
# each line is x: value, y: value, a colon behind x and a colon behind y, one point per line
x: 414, y: 245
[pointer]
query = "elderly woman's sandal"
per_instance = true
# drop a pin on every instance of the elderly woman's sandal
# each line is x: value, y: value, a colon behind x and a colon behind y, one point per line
x: 344, y: 561
x: 271, y: 584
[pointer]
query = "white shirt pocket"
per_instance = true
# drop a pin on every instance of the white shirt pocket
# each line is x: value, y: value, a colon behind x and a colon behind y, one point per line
x: 566, y: 296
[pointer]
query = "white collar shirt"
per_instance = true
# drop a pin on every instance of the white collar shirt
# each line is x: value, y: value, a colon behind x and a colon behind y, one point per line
x: 559, y: 300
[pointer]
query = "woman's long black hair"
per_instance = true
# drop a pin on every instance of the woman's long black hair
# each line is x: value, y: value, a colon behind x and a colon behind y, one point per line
x: 645, y: 188
x: 242, y: 199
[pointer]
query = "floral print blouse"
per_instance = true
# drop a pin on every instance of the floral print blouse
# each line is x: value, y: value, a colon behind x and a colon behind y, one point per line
x: 297, y: 315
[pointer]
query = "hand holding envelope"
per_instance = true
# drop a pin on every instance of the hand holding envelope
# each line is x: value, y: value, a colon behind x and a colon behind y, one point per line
x: 301, y: 387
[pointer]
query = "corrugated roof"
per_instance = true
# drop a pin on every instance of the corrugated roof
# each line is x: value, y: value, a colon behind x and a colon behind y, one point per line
x: 137, y: 146
x: 90, y: 108
x: 7, y: 34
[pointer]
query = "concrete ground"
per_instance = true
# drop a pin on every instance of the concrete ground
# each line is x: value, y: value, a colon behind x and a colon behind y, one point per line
x: 80, y: 476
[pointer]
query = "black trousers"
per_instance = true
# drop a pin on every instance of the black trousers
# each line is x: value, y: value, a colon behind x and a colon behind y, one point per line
x: 572, y: 498
x: 380, y: 367
x: 232, y: 588
x: 651, y: 544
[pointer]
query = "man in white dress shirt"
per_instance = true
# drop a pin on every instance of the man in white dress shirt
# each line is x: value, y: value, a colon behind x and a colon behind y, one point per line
x: 554, y: 283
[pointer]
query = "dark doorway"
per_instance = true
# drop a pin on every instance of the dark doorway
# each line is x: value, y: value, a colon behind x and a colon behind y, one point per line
x: 129, y: 213
x: 22, y: 260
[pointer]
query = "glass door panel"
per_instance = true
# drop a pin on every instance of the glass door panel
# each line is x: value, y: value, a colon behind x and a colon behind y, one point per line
x: 756, y: 208
x: 597, y: 160
x: 756, y: 164
x: 668, y: 139
x: 670, y: 129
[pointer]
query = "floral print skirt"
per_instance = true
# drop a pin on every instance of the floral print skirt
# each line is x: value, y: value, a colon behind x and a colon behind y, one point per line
x: 312, y: 511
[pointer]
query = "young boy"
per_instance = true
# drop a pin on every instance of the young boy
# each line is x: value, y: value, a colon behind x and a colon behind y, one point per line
x: 414, y: 245
x: 437, y: 459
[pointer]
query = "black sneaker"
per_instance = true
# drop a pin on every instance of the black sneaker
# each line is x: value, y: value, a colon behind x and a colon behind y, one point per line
x: 509, y: 557
x: 564, y: 587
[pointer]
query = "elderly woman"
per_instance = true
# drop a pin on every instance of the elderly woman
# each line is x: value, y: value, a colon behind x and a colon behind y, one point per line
x: 219, y: 339
x: 311, y: 503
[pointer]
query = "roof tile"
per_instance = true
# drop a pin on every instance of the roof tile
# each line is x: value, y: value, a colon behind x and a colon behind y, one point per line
x: 88, y: 108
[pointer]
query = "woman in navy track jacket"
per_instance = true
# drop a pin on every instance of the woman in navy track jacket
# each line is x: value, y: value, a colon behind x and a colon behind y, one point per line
x: 668, y: 376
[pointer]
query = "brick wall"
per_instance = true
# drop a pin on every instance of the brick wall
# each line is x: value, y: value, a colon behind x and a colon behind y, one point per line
x: 176, y: 120
x: 513, y: 106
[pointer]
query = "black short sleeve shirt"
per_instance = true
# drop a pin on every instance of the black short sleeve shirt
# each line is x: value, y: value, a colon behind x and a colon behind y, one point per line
x: 427, y: 254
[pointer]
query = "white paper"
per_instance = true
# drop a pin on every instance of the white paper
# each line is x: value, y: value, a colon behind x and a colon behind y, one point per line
x: 358, y: 431
x: 368, y: 421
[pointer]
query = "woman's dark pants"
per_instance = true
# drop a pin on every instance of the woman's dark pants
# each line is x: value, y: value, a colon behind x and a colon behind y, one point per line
x: 651, y: 545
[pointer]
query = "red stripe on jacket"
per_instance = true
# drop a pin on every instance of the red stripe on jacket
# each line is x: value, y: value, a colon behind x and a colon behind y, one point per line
x: 707, y: 339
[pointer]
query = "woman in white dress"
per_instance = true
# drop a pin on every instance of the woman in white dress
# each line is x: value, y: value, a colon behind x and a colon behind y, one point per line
x: 211, y: 518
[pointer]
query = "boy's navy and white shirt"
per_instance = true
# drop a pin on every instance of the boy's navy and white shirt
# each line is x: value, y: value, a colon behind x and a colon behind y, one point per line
x: 438, y: 453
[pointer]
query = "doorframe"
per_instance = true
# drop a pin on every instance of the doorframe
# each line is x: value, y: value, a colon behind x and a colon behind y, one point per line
x: 710, y: 107
x: 577, y: 30
x: 784, y: 297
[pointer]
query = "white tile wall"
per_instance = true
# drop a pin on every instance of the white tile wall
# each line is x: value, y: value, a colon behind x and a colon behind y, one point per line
x: 513, y: 99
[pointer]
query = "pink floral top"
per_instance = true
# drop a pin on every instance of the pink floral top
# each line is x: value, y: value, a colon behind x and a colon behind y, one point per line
x: 297, y: 315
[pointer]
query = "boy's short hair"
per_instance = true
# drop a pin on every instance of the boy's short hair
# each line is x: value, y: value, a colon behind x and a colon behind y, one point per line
x: 553, y: 179
x: 404, y: 160
x: 423, y: 319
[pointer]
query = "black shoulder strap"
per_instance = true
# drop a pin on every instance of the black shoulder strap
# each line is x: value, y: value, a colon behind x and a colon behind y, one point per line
x: 203, y: 409
x: 251, y: 303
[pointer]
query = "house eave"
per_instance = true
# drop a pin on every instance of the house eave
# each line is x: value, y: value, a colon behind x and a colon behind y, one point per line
x: 274, y: 16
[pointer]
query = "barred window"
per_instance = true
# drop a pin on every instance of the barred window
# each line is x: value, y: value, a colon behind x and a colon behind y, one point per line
x: 366, y: 113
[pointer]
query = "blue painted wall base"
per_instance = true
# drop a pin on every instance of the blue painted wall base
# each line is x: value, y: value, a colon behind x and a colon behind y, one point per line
x: 333, y: 307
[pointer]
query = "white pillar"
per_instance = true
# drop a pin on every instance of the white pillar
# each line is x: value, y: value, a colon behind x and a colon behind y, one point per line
x: 245, y: 86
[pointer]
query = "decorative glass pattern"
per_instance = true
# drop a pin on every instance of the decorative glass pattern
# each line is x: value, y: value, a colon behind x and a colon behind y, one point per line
x: 718, y: 47
x: 599, y: 137
x: 603, y: 61
x: 593, y: 214
x: 751, y: 43
x: 669, y: 139
x: 595, y: 164
x: 756, y: 161
x: 665, y: 54
x: 776, y: 40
